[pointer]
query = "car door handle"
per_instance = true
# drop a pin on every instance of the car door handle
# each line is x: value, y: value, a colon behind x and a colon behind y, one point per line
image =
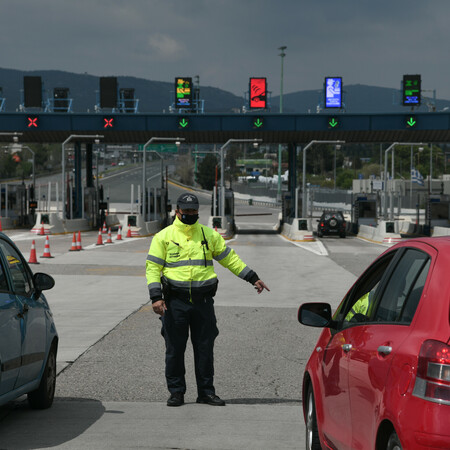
x: 347, y: 347
x: 385, y: 349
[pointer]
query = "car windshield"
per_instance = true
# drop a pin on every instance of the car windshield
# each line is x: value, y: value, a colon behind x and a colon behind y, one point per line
x: 329, y: 216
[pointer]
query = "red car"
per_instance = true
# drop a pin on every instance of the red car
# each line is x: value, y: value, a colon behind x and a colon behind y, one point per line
x: 379, y: 376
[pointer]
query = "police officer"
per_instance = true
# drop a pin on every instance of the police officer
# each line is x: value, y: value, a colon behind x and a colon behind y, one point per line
x: 182, y: 283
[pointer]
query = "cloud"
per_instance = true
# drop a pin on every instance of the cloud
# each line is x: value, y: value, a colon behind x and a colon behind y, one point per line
x: 165, y: 47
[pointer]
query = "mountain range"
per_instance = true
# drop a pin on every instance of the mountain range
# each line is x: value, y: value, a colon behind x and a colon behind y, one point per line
x: 157, y: 96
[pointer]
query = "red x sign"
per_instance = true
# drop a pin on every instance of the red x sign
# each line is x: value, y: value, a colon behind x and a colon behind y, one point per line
x: 32, y: 122
x: 108, y: 122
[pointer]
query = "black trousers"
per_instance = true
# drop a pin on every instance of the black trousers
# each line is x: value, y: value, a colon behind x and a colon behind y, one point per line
x: 198, y: 318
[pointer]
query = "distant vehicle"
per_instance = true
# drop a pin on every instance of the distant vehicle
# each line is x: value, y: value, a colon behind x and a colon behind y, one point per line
x: 379, y: 375
x: 28, y: 337
x: 121, y: 163
x: 331, y: 223
x: 113, y: 164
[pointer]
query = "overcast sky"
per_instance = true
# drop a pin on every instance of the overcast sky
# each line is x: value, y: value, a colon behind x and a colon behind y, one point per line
x: 227, y: 41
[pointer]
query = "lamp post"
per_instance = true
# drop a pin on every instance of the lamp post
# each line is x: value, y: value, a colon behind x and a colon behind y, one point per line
x: 34, y: 174
x: 304, y: 170
x: 282, y: 54
x: 222, y: 169
x: 336, y: 148
x: 144, y: 180
x: 391, y: 147
x: 63, y: 164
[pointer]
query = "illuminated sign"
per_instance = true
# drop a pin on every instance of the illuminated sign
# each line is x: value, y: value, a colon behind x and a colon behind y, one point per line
x: 32, y: 122
x: 183, y: 123
x: 258, y: 93
x: 411, y: 90
x: 183, y: 92
x: 258, y: 122
x: 333, y: 92
x: 411, y: 122
x: 333, y: 122
x: 108, y: 122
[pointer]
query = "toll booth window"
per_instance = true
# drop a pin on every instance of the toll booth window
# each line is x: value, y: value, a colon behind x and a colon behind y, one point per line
x: 367, y: 209
x: 131, y: 221
x: 45, y: 219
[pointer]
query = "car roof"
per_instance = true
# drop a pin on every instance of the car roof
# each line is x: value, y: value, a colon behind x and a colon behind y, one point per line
x: 440, y: 243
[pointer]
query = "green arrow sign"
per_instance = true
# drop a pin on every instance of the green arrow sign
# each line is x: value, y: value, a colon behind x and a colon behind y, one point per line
x: 411, y: 122
x: 183, y: 123
x: 258, y: 122
x: 332, y: 122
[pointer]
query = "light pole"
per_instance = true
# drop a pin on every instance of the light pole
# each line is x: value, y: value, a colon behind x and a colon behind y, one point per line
x: 304, y: 170
x: 336, y: 148
x: 282, y: 54
x: 222, y: 169
x: 144, y: 180
x: 391, y: 147
x: 34, y: 174
x: 63, y: 164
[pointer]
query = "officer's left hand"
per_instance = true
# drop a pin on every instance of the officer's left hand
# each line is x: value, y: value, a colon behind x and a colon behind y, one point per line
x: 260, y: 286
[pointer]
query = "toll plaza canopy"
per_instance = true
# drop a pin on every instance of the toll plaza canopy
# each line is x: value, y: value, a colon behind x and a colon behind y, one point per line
x: 216, y: 128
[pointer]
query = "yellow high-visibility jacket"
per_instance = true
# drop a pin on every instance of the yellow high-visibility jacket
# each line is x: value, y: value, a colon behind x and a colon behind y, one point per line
x: 183, y: 256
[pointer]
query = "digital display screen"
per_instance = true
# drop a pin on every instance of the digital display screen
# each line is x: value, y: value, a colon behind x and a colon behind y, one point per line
x: 108, y: 122
x: 411, y: 90
x: 183, y: 92
x: 258, y: 93
x: 32, y: 122
x: 333, y: 92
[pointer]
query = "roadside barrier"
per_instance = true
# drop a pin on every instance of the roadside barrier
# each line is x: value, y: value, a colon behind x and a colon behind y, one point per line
x: 33, y: 258
x: 47, y: 253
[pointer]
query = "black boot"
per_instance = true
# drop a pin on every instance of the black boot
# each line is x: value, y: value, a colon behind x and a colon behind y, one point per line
x: 176, y: 399
x: 211, y: 399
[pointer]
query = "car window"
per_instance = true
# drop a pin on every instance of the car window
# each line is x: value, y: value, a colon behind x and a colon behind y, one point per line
x: 362, y: 298
x: 20, y: 277
x: 401, y: 294
x: 3, y: 280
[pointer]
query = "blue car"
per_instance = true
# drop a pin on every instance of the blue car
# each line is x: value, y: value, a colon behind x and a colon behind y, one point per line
x: 28, y: 337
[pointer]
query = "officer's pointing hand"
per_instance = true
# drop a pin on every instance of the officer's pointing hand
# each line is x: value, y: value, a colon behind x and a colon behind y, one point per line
x: 260, y: 286
x: 159, y: 307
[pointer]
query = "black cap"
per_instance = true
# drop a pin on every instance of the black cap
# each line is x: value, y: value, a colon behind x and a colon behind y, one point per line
x: 187, y: 201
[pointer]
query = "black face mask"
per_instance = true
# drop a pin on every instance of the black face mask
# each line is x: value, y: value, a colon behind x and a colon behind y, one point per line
x: 189, y: 219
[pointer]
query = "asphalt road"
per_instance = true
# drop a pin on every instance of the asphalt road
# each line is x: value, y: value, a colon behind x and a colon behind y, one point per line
x: 112, y: 395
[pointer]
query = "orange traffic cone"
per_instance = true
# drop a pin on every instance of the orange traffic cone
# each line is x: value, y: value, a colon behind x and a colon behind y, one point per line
x: 109, y: 241
x: 79, y: 247
x: 129, y: 232
x: 42, y: 231
x: 104, y: 230
x: 33, y: 258
x: 47, y: 249
x: 99, y: 239
x: 74, y: 244
x: 119, y: 234
x: 215, y: 228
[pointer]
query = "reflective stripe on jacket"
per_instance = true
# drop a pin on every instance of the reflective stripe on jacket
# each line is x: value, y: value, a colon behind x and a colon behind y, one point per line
x: 181, y: 255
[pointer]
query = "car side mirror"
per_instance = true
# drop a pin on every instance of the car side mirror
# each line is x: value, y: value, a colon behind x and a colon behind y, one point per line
x: 315, y: 315
x: 43, y: 282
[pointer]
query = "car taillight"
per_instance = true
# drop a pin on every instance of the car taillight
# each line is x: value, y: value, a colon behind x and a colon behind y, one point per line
x: 322, y: 224
x: 433, y: 372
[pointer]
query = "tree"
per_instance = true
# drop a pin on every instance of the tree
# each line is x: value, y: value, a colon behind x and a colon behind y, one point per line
x: 185, y: 169
x: 206, y: 175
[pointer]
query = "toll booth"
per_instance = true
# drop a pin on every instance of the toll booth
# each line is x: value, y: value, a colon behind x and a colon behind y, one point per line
x: 16, y: 203
x: 437, y: 213
x: 157, y: 208
x: 229, y: 208
x: 365, y: 207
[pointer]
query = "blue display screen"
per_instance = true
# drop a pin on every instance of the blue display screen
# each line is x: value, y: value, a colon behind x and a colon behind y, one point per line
x: 333, y: 92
